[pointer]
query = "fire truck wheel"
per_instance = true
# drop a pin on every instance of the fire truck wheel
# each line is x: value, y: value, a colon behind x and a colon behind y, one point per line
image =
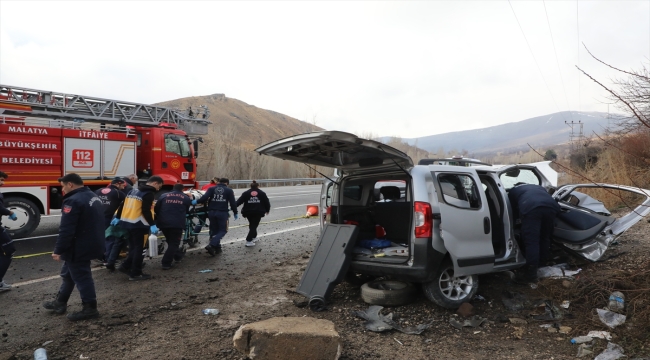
x: 28, y: 217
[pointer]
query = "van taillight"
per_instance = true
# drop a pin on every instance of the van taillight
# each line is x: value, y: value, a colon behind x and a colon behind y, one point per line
x: 423, y: 220
x: 328, y: 214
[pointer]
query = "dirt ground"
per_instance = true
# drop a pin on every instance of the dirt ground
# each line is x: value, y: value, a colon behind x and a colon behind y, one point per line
x: 163, y: 319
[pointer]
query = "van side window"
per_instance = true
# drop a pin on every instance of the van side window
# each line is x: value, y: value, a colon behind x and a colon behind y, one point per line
x: 352, y: 192
x: 460, y: 191
x: 526, y: 176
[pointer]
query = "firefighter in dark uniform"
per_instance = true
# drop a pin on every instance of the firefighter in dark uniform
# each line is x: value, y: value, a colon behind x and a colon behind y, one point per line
x: 81, y: 239
x: 537, y: 210
x: 256, y: 205
x: 170, y: 211
x: 136, y: 215
x: 218, y: 198
x: 7, y: 248
x: 111, y: 196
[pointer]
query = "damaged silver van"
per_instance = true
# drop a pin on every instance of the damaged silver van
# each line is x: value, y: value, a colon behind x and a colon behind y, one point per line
x: 446, y: 224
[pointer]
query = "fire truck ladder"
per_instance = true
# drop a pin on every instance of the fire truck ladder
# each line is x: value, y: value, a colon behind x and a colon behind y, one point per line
x: 18, y: 101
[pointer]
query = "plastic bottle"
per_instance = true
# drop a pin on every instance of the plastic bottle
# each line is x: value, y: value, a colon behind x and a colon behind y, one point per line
x: 153, y: 245
x: 581, y: 339
x: 211, y: 311
x: 40, y: 354
x: 616, y: 301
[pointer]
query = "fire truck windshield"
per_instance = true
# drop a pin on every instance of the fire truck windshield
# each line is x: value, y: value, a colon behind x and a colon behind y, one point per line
x: 177, y: 144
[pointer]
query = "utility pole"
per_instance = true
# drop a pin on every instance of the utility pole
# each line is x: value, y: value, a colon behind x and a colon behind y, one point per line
x: 576, y: 140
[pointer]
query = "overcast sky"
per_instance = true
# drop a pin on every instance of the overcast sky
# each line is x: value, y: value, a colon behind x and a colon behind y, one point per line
x: 397, y: 68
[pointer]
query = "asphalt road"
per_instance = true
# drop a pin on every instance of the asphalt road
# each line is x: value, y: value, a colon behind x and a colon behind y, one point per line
x: 33, y: 263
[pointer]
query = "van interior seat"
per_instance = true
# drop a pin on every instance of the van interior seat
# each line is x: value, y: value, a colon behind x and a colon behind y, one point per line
x: 391, y: 193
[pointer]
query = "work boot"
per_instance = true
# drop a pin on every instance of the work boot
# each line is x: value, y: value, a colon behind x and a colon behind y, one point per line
x: 59, y: 305
x: 89, y: 311
x: 527, y: 275
x: 211, y: 250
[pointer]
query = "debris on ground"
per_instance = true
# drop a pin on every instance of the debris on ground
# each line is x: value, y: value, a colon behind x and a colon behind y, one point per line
x: 583, y: 350
x: 518, y: 321
x: 513, y: 301
x: 211, y: 311
x: 474, y: 322
x: 616, y: 302
x: 377, y: 322
x: 612, y: 352
x: 558, y: 271
x: 548, y: 311
x: 465, y: 310
x: 600, y: 334
x: 610, y: 318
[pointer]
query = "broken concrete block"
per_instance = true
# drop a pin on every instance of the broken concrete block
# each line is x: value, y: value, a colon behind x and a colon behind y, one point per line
x: 289, y: 338
x: 465, y: 310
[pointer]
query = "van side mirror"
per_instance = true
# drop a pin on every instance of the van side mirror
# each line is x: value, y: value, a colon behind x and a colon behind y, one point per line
x: 195, y: 144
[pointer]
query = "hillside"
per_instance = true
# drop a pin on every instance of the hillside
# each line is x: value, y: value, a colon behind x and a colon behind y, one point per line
x: 251, y: 125
x: 541, y: 131
x: 237, y: 128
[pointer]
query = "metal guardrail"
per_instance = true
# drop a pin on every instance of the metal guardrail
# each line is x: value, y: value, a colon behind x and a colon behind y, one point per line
x: 272, y: 182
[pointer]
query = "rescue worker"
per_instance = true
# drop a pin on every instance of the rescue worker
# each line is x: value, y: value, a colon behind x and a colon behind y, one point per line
x: 81, y: 239
x: 256, y: 205
x: 213, y: 182
x: 111, y: 196
x: 131, y: 181
x: 170, y: 211
x: 218, y: 197
x: 7, y: 248
x: 136, y: 215
x: 537, y: 210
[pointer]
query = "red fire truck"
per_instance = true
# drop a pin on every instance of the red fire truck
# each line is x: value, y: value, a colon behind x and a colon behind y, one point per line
x: 45, y: 135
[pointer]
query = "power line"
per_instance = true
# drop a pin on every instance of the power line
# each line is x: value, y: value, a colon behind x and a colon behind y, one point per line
x: 578, y: 32
x: 557, y: 61
x: 535, y: 59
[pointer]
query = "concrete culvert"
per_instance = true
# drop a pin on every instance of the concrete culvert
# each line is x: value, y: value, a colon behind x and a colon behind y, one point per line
x: 387, y: 292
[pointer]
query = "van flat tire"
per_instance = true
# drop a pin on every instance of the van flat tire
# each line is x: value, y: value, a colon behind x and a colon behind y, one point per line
x: 387, y: 292
x: 450, y: 291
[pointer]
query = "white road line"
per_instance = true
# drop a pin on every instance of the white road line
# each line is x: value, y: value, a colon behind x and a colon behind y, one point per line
x: 35, y: 281
x: 36, y: 237
x: 285, y: 207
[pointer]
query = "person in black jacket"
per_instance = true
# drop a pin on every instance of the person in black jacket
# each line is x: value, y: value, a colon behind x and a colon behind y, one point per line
x: 7, y: 248
x: 170, y: 211
x: 256, y: 205
x: 81, y: 239
x: 130, y: 182
x: 111, y: 196
x: 537, y: 210
x: 136, y: 215
x: 218, y: 198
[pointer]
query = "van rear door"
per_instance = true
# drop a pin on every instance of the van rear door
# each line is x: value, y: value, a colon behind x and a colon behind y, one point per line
x: 346, y: 152
x: 465, y: 219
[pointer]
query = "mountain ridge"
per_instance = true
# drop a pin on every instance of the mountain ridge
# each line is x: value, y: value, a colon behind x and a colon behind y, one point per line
x: 540, y: 131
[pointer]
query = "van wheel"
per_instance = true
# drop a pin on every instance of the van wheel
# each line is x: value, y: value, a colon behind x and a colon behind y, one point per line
x: 450, y: 291
x: 28, y: 217
x: 387, y: 292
